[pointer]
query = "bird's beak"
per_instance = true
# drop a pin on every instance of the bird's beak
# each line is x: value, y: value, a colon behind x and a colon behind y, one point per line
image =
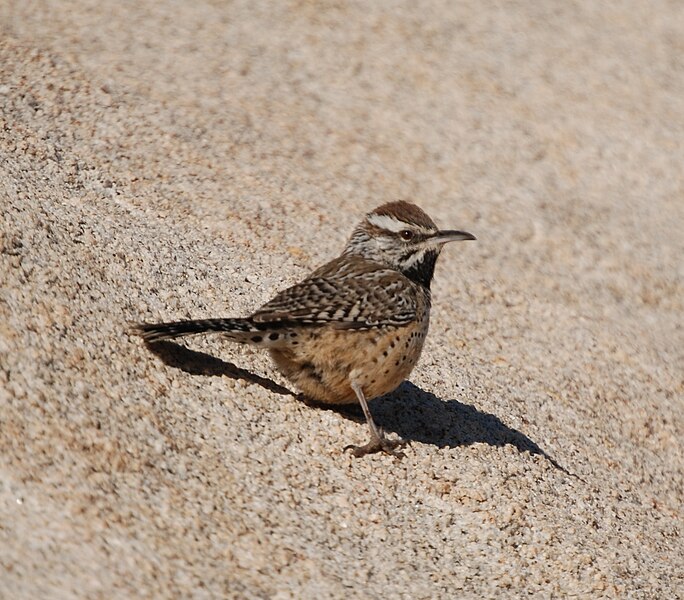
x: 450, y: 235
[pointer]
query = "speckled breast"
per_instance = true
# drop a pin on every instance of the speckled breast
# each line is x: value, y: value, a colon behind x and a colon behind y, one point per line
x: 326, y: 361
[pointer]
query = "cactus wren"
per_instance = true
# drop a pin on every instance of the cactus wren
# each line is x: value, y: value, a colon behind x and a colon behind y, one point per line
x: 352, y: 330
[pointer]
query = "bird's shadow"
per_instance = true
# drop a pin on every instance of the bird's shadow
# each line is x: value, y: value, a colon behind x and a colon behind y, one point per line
x: 195, y: 362
x: 410, y: 412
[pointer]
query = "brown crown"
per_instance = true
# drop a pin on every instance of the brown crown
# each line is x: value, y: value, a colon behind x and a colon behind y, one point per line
x: 407, y: 212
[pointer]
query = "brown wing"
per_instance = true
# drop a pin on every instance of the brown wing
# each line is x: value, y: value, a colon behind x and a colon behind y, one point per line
x: 349, y: 293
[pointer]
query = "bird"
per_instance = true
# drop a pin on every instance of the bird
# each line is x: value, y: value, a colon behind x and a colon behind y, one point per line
x: 354, y: 329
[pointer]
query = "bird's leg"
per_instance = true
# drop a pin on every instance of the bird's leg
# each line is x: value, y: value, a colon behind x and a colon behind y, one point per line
x: 378, y: 441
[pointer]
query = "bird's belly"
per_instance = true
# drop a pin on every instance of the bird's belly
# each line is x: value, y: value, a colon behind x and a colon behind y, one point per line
x: 323, y: 365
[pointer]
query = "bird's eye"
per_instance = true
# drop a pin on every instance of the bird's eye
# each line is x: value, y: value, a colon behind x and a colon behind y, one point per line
x: 406, y: 234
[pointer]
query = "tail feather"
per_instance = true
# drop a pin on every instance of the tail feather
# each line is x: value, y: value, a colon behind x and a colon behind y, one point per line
x: 156, y: 332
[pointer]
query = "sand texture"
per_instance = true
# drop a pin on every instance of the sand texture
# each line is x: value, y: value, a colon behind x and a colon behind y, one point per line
x: 172, y: 159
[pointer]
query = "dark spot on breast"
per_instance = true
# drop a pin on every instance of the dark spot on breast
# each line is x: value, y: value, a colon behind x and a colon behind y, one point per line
x: 293, y: 334
x: 273, y: 336
x: 295, y: 343
x: 384, y: 353
x: 257, y: 338
x: 396, y: 363
x: 311, y: 371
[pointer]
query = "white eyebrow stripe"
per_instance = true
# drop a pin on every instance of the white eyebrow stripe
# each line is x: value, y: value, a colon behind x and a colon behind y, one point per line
x: 388, y: 223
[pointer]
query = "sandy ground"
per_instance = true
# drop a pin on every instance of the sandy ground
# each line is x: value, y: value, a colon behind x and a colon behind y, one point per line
x: 188, y: 159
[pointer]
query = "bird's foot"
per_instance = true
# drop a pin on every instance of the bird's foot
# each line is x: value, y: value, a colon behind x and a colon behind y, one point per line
x: 379, y: 444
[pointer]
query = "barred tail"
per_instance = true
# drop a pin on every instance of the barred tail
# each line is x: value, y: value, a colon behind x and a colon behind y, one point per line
x: 156, y: 332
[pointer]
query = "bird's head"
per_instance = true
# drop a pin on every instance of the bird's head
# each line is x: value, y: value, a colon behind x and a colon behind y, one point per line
x: 401, y: 236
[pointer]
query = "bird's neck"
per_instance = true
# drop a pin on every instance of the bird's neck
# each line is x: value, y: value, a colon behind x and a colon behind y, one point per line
x: 422, y: 269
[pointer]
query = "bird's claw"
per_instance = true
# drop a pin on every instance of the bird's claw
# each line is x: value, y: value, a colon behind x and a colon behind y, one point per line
x: 381, y: 444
